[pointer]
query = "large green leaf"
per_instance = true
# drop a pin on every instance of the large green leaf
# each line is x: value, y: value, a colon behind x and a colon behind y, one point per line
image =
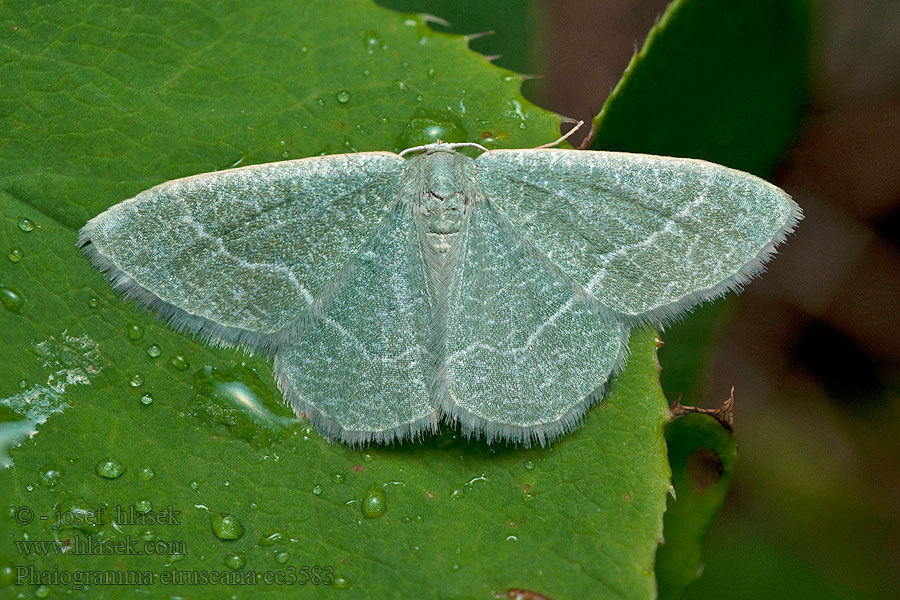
x: 102, y: 100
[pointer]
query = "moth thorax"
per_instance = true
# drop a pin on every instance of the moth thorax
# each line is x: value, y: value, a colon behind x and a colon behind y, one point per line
x: 442, y: 219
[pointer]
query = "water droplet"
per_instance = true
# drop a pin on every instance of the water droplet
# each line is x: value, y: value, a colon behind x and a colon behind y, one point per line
x: 523, y: 125
x: 50, y: 474
x: 457, y: 494
x: 7, y: 576
x: 225, y: 526
x: 317, y: 490
x: 135, y: 331
x: 340, y: 582
x: 110, y: 468
x: 367, y: 458
x: 337, y: 478
x: 320, y: 102
x: 271, y: 539
x: 401, y: 86
x: 343, y: 96
x: 143, y: 506
x: 374, y: 503
x: 194, y: 485
x: 42, y: 591
x: 237, y: 402
x: 427, y: 127
x: 527, y: 497
x: 512, y: 538
x: 366, y: 73
x: 146, y: 473
x: 529, y: 465
x: 281, y: 556
x: 254, y: 506
x: 148, y: 535
x: 93, y: 302
x: 137, y: 380
x: 179, y: 362
x: 26, y: 224
x: 153, y: 350
x: 11, y: 299
x: 430, y: 73
x: 146, y: 399
x: 178, y: 556
x: 15, y: 254
x: 454, y: 567
x: 419, y: 97
x: 372, y: 42
x: 74, y: 512
x: 235, y: 561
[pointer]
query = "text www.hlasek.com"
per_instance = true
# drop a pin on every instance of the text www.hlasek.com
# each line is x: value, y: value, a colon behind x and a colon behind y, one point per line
x: 86, y: 546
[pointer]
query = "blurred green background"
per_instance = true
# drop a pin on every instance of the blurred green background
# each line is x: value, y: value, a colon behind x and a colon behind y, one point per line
x: 814, y: 508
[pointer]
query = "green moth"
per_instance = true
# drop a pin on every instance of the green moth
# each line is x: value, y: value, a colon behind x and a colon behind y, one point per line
x: 394, y: 293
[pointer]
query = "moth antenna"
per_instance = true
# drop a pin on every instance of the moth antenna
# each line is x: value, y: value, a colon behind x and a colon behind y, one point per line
x: 563, y: 138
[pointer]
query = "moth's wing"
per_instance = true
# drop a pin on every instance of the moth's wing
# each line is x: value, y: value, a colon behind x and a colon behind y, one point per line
x: 527, y: 350
x: 237, y: 255
x: 359, y: 365
x: 648, y: 236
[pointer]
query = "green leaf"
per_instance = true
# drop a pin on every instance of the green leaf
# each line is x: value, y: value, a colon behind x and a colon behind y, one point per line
x: 702, y: 455
x: 105, y: 101
x: 722, y: 85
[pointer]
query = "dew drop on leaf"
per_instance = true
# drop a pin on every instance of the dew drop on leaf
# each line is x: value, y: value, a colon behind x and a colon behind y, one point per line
x: 529, y: 465
x: 235, y: 561
x: 153, y: 350
x: 340, y: 582
x: 110, y: 468
x: 179, y: 362
x: 26, y: 224
x: 337, y: 478
x: 137, y: 380
x: 281, y: 556
x: 374, y: 503
x: 50, y: 474
x: 226, y: 526
x: 93, y: 302
x: 343, y: 96
x: 143, y: 506
x: 12, y: 300
x: 15, y: 254
x: 135, y: 331
x: 271, y: 539
x: 146, y: 473
x: 317, y: 490
x: 146, y: 399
